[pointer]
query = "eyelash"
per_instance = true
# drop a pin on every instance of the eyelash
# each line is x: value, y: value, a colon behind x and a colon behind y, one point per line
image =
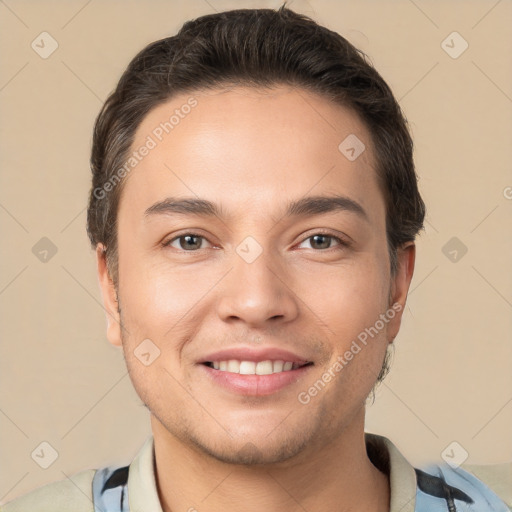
x: 342, y: 243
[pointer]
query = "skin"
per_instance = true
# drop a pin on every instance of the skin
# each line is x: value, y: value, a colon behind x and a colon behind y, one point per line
x: 252, y: 151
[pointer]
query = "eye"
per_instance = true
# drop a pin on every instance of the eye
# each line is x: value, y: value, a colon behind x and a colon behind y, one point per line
x: 322, y: 241
x: 192, y: 242
x: 187, y: 242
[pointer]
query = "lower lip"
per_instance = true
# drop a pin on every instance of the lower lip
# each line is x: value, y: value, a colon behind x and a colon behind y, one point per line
x: 255, y: 385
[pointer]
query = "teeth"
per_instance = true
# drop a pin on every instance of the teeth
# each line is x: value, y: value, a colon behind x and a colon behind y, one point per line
x: 278, y: 366
x: 247, y: 368
x: 233, y: 366
x: 253, y: 368
x: 264, y: 368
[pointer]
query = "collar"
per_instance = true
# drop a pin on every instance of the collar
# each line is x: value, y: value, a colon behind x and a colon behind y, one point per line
x: 402, y: 477
x: 143, y: 494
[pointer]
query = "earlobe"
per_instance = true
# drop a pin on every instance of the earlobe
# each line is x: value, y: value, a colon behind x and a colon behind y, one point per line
x: 110, y: 299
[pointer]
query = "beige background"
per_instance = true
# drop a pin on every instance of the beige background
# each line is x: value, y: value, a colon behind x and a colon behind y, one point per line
x: 63, y: 383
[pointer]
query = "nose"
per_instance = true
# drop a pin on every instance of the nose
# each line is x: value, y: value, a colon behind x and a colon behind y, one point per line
x: 257, y: 293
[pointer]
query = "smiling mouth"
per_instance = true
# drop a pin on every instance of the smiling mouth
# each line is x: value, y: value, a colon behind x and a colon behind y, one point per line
x: 255, y: 368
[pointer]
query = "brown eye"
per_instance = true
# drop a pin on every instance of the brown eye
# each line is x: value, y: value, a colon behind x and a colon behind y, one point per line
x: 187, y: 242
x: 323, y: 241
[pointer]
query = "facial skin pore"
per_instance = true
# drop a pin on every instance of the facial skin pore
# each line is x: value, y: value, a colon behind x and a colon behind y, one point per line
x: 252, y: 152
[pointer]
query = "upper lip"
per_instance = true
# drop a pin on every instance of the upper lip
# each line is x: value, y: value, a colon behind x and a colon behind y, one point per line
x: 253, y: 354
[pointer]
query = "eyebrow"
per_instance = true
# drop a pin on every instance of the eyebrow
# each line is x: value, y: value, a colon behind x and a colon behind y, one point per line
x: 306, y: 206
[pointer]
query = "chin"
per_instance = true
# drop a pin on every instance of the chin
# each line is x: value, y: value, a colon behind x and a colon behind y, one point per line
x: 249, y: 453
x: 257, y: 445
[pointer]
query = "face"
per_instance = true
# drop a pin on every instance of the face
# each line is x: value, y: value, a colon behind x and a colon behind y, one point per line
x: 250, y: 243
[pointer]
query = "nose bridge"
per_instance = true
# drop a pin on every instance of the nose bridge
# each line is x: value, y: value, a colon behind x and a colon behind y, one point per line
x: 256, y: 290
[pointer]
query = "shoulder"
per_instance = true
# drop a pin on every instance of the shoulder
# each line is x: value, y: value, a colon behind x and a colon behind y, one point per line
x: 439, y: 486
x: 497, y: 477
x: 443, y: 487
x: 74, y: 493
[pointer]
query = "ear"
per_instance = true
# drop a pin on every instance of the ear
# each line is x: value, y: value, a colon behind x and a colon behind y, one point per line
x: 400, y: 282
x: 109, y: 295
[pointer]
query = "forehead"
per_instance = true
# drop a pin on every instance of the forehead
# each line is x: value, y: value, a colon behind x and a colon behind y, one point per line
x: 251, y: 148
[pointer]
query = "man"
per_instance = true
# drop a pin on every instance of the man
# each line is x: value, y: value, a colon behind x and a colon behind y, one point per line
x: 254, y: 208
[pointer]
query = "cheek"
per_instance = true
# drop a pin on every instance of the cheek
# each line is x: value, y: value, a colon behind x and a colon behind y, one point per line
x: 351, y: 305
x: 159, y: 311
x: 351, y: 299
x: 156, y: 297
x: 168, y: 307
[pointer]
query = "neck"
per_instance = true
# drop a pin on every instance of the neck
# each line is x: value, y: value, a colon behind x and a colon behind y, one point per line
x: 337, y: 476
